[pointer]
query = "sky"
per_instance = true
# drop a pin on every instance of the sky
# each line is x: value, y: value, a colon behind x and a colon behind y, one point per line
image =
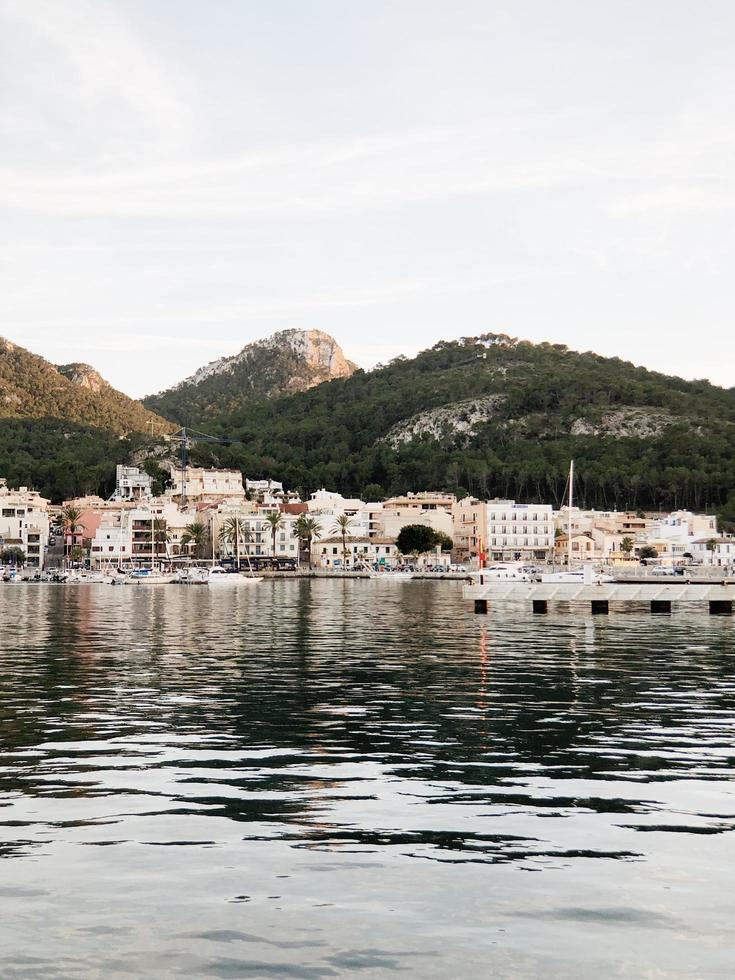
x: 180, y: 177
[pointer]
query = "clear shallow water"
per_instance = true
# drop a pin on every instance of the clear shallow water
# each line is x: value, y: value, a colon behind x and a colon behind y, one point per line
x: 324, y: 779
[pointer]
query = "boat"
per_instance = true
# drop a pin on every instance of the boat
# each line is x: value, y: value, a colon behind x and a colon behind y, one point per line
x: 149, y: 576
x: 507, y: 571
x: 582, y: 576
x: 216, y: 575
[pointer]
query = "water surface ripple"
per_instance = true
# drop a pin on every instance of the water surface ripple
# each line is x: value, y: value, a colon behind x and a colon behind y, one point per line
x: 333, y: 778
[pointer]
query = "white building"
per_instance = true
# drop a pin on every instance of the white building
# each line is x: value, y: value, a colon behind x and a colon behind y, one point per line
x: 502, y: 530
x: 433, y: 510
x: 24, y: 523
x: 131, y: 483
x: 195, y: 484
x: 327, y: 506
x: 719, y: 552
x: 358, y: 551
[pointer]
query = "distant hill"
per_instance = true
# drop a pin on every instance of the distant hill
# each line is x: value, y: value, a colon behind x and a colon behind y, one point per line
x: 31, y: 387
x: 492, y: 415
x: 287, y: 362
x: 62, y: 429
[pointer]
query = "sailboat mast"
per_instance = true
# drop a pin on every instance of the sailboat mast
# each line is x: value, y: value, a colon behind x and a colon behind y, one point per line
x: 571, y: 499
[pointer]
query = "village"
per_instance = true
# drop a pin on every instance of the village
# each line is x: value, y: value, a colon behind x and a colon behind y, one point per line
x: 274, y: 530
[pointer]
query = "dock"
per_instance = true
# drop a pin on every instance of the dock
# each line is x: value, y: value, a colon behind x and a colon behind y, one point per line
x: 716, y: 597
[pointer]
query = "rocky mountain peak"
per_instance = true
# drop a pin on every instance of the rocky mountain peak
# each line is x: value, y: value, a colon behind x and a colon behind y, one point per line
x: 319, y: 355
x: 83, y: 375
x: 282, y: 364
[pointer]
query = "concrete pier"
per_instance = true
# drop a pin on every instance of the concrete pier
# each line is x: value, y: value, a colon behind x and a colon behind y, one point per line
x: 717, y: 597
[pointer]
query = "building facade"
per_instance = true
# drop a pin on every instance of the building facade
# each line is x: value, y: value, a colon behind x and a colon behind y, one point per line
x: 502, y: 530
x: 24, y: 523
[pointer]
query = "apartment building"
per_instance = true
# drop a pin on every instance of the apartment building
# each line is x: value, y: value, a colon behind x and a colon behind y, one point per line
x: 24, y: 523
x: 356, y: 552
x: 196, y: 484
x: 502, y: 530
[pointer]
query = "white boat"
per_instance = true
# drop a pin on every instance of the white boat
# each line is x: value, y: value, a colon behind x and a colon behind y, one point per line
x: 216, y: 575
x: 582, y: 576
x: 507, y: 571
x: 148, y: 576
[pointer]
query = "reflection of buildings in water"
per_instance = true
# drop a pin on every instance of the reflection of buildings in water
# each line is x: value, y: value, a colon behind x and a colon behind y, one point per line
x: 482, y: 690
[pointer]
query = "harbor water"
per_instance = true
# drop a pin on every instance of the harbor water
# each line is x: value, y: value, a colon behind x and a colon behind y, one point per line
x: 316, y: 779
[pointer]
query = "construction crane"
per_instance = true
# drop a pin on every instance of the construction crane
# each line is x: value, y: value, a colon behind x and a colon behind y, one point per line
x: 185, y: 437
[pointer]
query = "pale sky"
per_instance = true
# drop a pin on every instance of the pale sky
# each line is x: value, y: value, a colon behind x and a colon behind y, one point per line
x: 179, y: 177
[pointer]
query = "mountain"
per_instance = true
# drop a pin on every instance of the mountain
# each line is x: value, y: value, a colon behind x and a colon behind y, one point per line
x: 493, y: 415
x: 288, y: 362
x: 488, y: 415
x: 63, y: 429
x: 31, y: 387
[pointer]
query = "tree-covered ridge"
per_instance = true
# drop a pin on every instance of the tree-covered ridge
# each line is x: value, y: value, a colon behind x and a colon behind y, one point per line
x: 335, y: 434
x: 32, y: 388
x: 60, y: 459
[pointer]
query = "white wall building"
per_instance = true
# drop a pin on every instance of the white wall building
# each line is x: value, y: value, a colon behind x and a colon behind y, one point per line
x: 327, y: 506
x: 24, y: 523
x: 358, y: 550
x: 131, y: 483
x: 502, y: 530
x: 199, y: 485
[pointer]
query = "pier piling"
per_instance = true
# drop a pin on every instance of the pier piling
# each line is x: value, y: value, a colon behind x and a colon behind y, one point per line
x: 540, y: 606
x: 481, y: 606
x: 720, y: 607
x: 600, y: 607
x: 660, y: 606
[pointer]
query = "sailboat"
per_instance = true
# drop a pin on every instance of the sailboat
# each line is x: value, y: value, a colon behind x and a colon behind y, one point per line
x: 584, y: 574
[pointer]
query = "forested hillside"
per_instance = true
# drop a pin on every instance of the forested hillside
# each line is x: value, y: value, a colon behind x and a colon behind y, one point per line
x: 488, y: 415
x: 493, y: 416
x: 62, y: 430
x: 33, y: 388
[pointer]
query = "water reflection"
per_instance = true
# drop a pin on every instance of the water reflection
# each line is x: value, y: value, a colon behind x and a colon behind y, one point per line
x: 359, y: 759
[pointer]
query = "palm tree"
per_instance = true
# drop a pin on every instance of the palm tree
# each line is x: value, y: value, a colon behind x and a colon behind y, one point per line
x: 307, y: 528
x: 195, y: 536
x: 68, y: 522
x: 160, y: 535
x: 274, y: 521
x: 235, y: 531
x: 342, y: 526
x: 626, y: 546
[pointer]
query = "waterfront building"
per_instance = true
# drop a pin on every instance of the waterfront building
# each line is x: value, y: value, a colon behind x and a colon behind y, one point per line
x: 429, y: 508
x: 24, y: 523
x: 327, y: 506
x: 358, y: 550
x: 716, y: 551
x: 502, y: 530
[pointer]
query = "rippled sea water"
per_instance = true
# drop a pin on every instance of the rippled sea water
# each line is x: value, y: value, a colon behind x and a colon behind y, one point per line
x: 353, y: 778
